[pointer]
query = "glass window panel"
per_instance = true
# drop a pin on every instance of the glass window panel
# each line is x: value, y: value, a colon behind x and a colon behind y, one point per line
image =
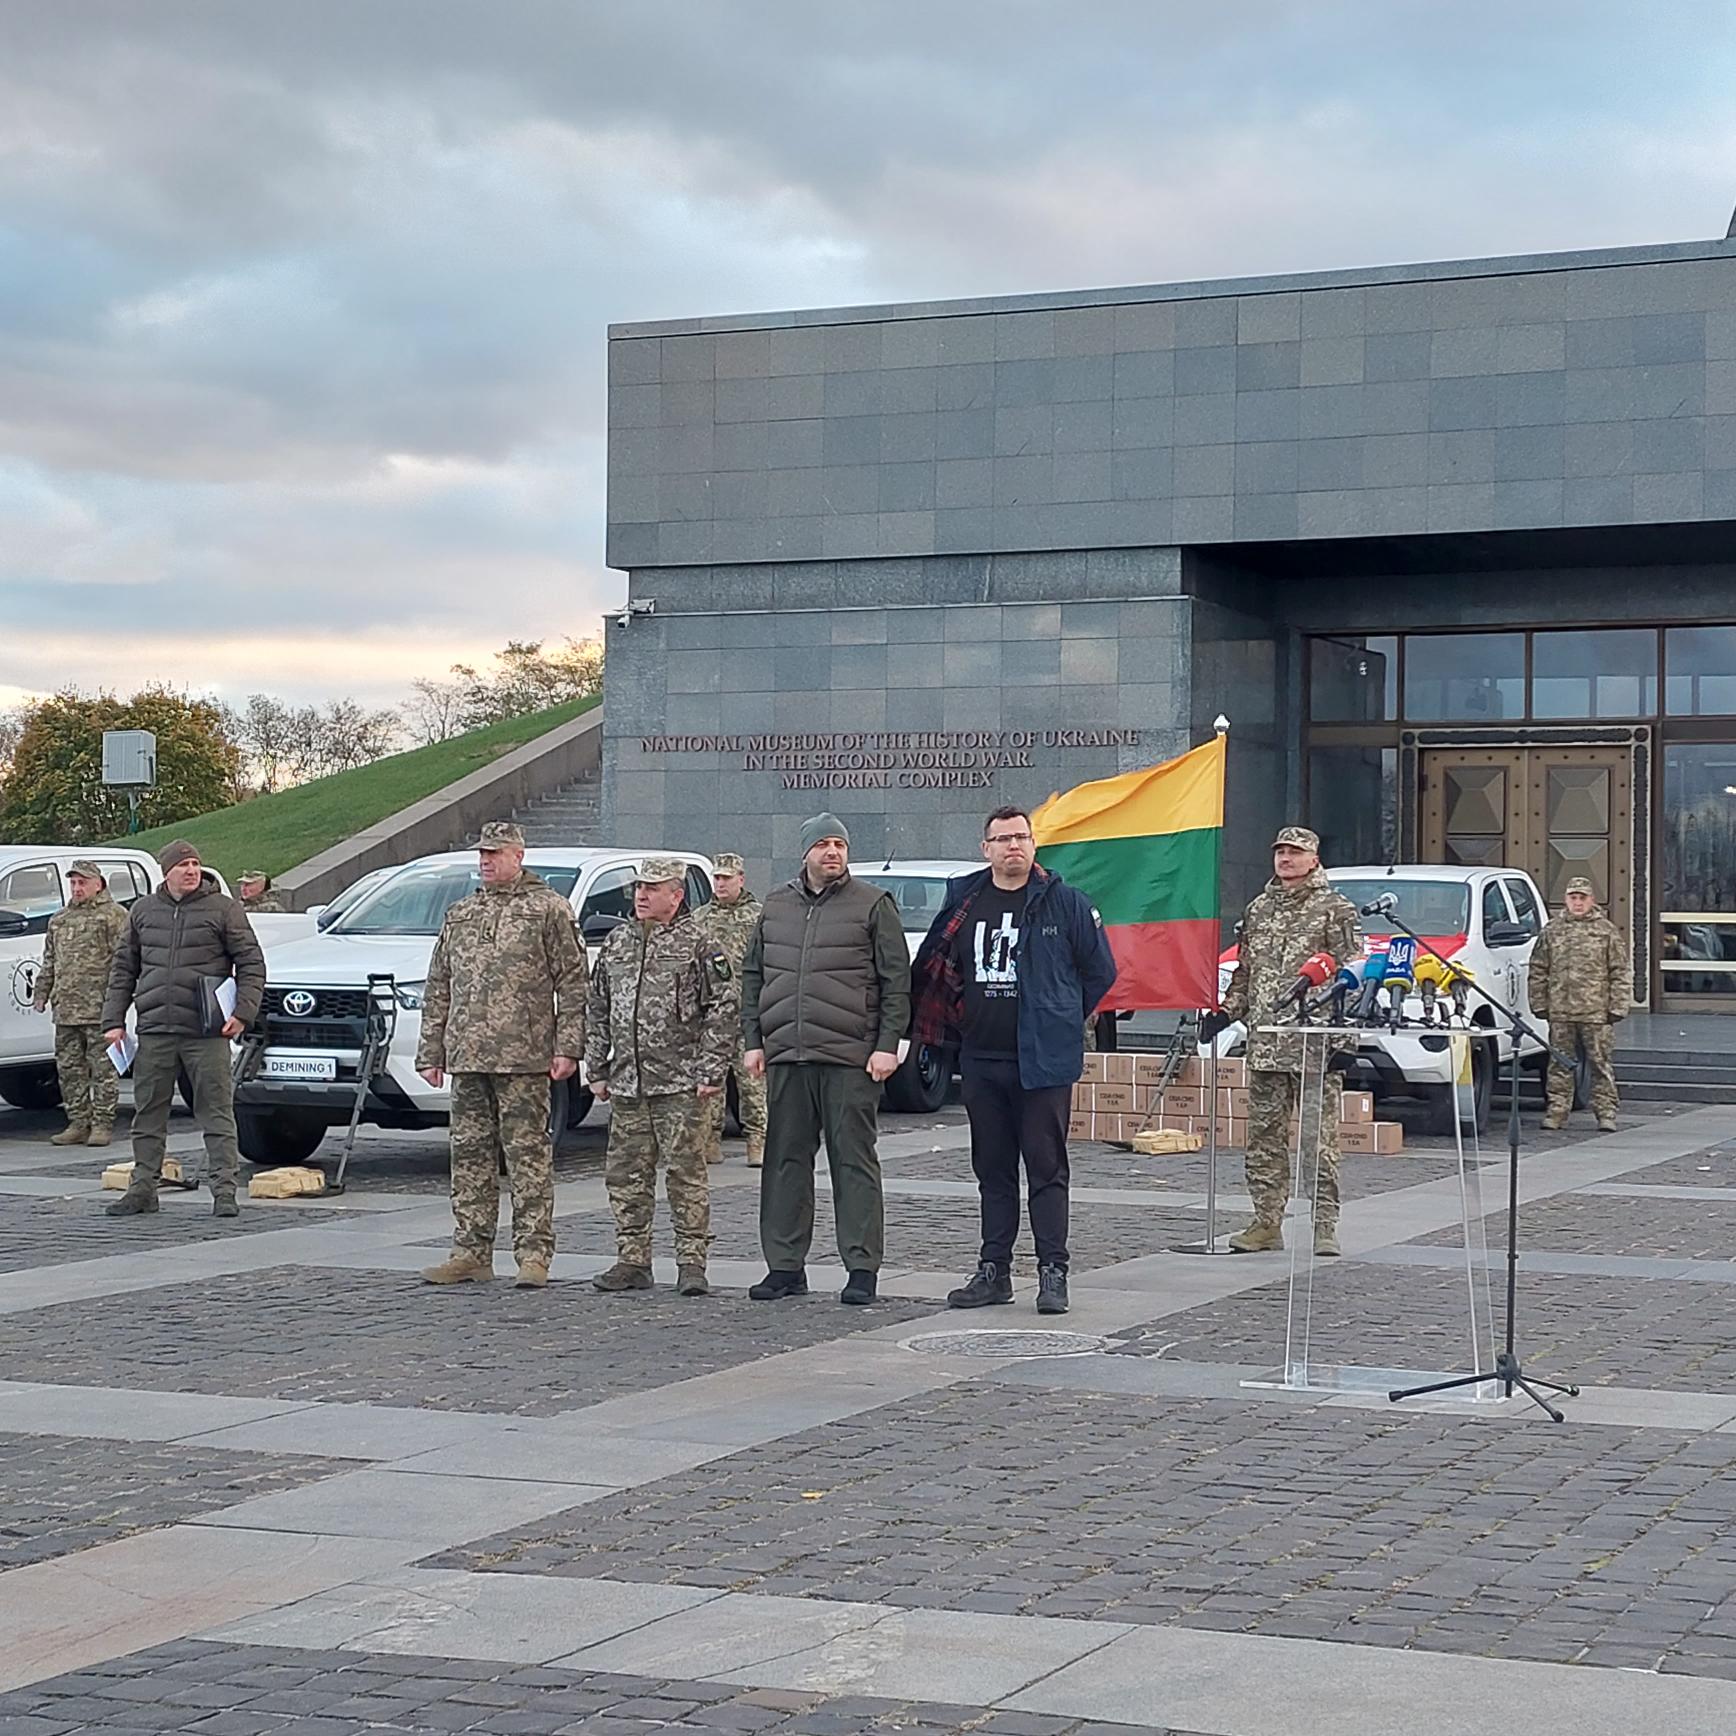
x: 1494, y: 905
x: 1464, y: 677
x: 1700, y: 671
x: 1699, y: 865
x: 1353, y: 803
x: 1524, y: 902
x: 1353, y: 680
x: 1607, y: 673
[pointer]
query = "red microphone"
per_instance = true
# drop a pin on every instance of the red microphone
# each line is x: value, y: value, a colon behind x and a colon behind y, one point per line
x: 1317, y: 970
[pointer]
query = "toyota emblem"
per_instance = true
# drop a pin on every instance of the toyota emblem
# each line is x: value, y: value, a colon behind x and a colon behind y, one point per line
x: 298, y: 1003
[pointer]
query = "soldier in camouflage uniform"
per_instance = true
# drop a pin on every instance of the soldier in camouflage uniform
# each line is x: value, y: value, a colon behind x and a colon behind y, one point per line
x: 258, y: 897
x: 664, y: 1022
x: 1581, y: 983
x: 76, y: 955
x: 1296, y: 916
x: 504, y: 1013
x: 729, y: 921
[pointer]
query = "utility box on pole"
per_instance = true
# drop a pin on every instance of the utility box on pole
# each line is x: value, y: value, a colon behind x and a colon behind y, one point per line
x: 129, y: 762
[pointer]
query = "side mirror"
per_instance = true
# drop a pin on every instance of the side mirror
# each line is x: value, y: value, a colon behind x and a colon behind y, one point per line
x: 313, y: 910
x: 1506, y: 934
x: 598, y: 926
x: 12, y: 923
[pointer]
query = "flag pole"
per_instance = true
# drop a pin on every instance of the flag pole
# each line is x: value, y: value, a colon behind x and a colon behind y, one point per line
x: 1221, y: 725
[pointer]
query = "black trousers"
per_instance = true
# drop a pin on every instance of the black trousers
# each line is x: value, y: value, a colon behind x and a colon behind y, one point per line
x: 1007, y: 1123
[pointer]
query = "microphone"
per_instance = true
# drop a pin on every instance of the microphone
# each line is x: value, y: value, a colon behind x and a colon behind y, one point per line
x: 1401, y: 953
x: 1373, y: 974
x: 1431, y: 977
x: 1345, y: 986
x: 1315, y: 971
x: 1384, y: 905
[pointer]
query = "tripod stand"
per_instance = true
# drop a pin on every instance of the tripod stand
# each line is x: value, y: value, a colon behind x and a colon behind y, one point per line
x: 1508, y: 1368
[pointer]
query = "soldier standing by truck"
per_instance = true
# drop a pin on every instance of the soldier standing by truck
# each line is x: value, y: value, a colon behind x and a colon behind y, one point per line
x: 1297, y: 916
x: 729, y: 920
x: 1582, y: 984
x: 664, y: 1021
x: 76, y: 955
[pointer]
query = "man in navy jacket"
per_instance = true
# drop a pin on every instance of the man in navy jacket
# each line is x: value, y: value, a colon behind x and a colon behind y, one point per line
x: 1009, y: 972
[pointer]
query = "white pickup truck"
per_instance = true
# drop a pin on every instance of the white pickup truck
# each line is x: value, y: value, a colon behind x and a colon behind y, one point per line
x: 33, y: 886
x: 317, y: 998
x: 1486, y: 919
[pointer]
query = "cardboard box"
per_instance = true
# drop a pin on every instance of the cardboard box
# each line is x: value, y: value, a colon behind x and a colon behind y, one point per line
x: 1358, y: 1107
x: 1192, y: 1071
x: 1372, y: 1138
x: 1114, y: 1129
x: 1093, y: 1068
x: 1113, y: 1099
x: 1148, y: 1069
x: 1118, y: 1069
x: 1232, y: 1074
x: 1079, y: 1124
x: 1183, y: 1100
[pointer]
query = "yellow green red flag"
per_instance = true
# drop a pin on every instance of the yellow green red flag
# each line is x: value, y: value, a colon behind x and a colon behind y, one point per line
x: 1144, y: 848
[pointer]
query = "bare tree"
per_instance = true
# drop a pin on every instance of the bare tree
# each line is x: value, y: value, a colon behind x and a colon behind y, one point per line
x: 527, y: 678
x: 434, y: 711
x: 264, y: 730
x: 11, y: 729
x: 284, y: 744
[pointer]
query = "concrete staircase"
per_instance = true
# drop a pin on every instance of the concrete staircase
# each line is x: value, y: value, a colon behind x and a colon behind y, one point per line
x: 570, y: 815
x: 1690, y: 1077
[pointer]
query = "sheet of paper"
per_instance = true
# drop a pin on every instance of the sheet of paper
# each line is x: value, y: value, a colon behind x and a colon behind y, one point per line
x: 226, y: 997
x: 121, y: 1054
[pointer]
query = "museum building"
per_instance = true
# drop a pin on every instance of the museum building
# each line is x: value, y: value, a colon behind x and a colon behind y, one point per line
x: 1453, y: 546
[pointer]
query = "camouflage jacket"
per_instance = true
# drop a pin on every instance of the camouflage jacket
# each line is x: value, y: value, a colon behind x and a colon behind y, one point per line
x: 506, y: 984
x: 1280, y: 929
x: 665, y: 1010
x: 76, y: 954
x: 266, y: 904
x: 730, y: 926
x: 1579, y: 970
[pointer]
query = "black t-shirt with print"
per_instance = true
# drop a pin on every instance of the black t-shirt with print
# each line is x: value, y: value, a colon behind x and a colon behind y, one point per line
x: 986, y: 951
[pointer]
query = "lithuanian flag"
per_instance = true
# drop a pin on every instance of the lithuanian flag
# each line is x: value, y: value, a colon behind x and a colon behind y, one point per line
x: 1143, y: 847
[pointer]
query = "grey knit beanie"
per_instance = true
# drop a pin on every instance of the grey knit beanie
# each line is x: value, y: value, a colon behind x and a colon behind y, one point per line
x: 823, y: 826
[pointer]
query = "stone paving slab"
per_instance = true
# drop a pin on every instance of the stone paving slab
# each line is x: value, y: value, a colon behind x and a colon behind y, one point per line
x: 379, y: 1338
x: 51, y: 1232
x: 1712, y: 1166
x: 1598, y: 1224
x: 1370, y: 1528
x: 256, y: 1690
x: 64, y: 1494
x: 1589, y: 1330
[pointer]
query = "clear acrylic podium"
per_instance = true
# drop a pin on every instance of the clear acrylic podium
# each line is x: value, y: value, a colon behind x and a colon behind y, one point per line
x: 1307, y: 1368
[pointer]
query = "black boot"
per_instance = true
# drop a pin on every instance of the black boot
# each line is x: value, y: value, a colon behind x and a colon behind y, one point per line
x: 992, y: 1282
x: 1052, y: 1290
x: 223, y: 1203
x: 776, y: 1285
x: 860, y: 1291
x: 135, y: 1199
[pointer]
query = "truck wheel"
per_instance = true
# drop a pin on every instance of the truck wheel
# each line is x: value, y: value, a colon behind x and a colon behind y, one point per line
x: 919, y: 1087
x: 31, y: 1087
x: 274, y: 1137
x: 1442, y: 1100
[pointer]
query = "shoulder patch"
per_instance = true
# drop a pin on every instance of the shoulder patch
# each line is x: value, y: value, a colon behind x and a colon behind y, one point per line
x: 719, y: 966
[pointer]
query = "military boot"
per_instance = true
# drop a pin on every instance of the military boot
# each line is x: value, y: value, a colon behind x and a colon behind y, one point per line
x: 223, y: 1203
x: 533, y: 1274
x: 990, y: 1283
x: 715, y: 1153
x: 1262, y: 1236
x: 623, y: 1275
x: 100, y: 1136
x: 459, y: 1267
x: 1606, y: 1124
x: 777, y: 1284
x: 691, y: 1281
x: 133, y: 1201
x: 72, y: 1134
x: 756, y: 1151
x: 1326, y: 1238
x: 1553, y: 1123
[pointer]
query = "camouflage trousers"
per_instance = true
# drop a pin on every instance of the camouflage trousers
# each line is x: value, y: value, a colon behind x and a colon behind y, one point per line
x: 496, y: 1116
x: 89, y: 1085
x: 1272, y: 1102
x: 667, y: 1130
x: 750, y: 1099
x: 1598, y: 1041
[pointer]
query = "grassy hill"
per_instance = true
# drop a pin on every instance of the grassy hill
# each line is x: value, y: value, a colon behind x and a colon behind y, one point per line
x: 274, y: 833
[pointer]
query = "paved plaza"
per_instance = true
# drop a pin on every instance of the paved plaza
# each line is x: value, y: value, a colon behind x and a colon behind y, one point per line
x: 258, y: 1478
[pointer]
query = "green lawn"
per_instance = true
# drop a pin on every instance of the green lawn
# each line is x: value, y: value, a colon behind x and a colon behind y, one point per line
x: 274, y: 833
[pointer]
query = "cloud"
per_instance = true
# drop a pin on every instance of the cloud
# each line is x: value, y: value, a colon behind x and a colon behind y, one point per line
x: 305, y: 305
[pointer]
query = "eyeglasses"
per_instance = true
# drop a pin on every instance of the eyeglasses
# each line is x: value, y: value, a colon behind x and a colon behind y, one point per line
x: 1009, y: 838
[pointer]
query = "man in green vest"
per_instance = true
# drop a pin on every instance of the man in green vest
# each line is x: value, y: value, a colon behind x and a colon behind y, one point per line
x: 825, y: 1003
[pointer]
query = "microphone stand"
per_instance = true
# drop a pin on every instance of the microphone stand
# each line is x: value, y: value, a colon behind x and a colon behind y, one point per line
x: 1508, y: 1368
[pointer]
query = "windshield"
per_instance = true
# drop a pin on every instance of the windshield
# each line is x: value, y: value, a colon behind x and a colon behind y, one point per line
x: 415, y: 901
x: 352, y: 895
x: 919, y: 897
x: 1431, y: 907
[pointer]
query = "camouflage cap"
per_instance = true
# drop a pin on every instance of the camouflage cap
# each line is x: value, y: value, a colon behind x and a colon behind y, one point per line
x: 1302, y: 837
x: 727, y: 862
x: 254, y: 874
x: 176, y: 852
x: 655, y: 870
x: 87, y: 868
x: 1579, y: 883
x: 500, y: 835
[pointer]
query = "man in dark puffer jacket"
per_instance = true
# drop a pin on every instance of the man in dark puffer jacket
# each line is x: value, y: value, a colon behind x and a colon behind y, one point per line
x: 179, y: 943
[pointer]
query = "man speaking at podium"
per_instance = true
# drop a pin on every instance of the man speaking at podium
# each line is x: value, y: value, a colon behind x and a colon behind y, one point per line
x: 1296, y: 918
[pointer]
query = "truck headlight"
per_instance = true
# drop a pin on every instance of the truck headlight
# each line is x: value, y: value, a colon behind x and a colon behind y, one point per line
x: 410, y: 994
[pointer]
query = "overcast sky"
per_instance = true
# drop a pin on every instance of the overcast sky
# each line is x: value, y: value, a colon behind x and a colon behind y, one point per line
x: 302, y: 302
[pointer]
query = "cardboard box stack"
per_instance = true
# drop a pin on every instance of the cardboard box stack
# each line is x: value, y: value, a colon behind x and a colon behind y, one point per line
x: 1120, y: 1094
